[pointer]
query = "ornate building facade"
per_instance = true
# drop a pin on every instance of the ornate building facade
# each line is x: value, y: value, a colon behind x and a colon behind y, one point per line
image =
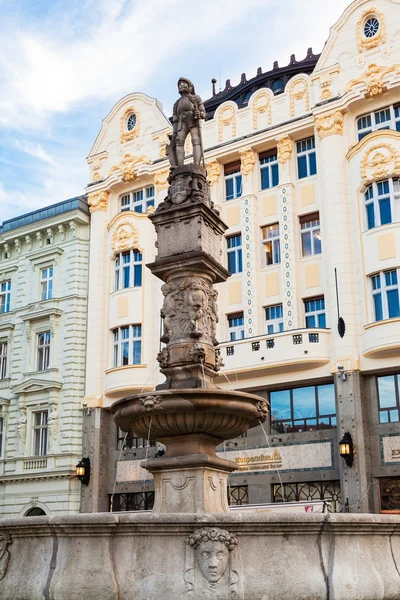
x: 304, y: 165
x: 44, y: 259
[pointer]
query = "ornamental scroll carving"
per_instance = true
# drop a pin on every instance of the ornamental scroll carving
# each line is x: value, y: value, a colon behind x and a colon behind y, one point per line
x: 212, y: 565
x: 127, y: 136
x: 189, y: 310
x: 226, y: 117
x: 298, y: 91
x: 5, y: 540
x: 247, y: 160
x: 125, y: 236
x: 161, y: 179
x: 372, y: 79
x: 284, y: 146
x: 261, y: 105
x: 130, y: 164
x: 213, y: 171
x: 330, y: 124
x: 380, y: 160
x: 98, y: 201
x: 365, y: 43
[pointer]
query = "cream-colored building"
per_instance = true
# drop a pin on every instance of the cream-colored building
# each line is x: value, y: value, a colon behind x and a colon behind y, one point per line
x: 44, y: 259
x: 304, y: 165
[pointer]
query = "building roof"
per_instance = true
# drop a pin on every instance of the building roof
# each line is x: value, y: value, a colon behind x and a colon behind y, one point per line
x: 275, y: 80
x: 79, y: 202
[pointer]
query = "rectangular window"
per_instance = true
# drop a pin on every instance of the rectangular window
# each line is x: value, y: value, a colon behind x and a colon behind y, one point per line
x: 381, y: 202
x: 129, y: 440
x: 314, y: 312
x: 236, y: 326
x: 269, y: 169
x: 271, y: 244
x: 384, y: 118
x: 128, y: 269
x: 388, y: 397
x: 385, y: 295
x: 234, y: 243
x: 310, y: 235
x: 233, y: 181
x: 43, y: 350
x: 303, y: 409
x: 46, y: 282
x: 306, y: 158
x: 5, y: 297
x: 3, y: 360
x: 139, y: 201
x: 127, y: 345
x: 40, y: 433
x: 274, y: 319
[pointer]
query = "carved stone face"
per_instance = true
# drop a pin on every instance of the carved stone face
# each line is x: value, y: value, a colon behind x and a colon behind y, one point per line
x: 212, y: 560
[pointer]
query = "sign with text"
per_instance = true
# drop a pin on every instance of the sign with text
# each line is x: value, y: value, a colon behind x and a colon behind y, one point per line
x: 390, y: 448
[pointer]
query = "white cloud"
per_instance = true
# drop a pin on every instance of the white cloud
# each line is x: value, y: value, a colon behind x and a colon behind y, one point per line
x: 35, y: 150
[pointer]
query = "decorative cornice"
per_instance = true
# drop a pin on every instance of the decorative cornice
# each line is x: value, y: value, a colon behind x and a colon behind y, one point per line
x: 36, y: 385
x: 98, y: 201
x: 329, y: 124
x: 365, y: 43
x: 213, y: 171
x: 372, y: 79
x: 284, y: 146
x: 247, y: 160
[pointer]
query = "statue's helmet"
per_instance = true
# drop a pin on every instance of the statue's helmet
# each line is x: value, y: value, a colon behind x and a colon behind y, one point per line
x: 188, y: 83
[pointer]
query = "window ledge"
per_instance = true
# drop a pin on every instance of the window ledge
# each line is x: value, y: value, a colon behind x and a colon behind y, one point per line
x: 383, y: 322
x: 125, y: 367
x: 125, y: 290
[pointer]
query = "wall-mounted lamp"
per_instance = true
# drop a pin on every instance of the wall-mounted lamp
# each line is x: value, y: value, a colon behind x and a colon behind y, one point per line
x: 342, y: 374
x: 346, y: 449
x: 83, y: 471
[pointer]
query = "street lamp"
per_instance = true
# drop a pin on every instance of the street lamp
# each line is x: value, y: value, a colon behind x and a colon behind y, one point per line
x: 346, y: 449
x: 83, y: 471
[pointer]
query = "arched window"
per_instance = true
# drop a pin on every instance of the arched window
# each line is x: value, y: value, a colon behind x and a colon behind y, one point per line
x: 128, y: 269
x: 381, y: 198
x: 36, y: 511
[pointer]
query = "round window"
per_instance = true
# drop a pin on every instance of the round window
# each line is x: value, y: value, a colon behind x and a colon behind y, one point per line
x: 371, y: 27
x: 131, y: 122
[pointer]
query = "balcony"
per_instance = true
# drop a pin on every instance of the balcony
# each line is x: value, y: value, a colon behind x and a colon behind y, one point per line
x: 289, y: 350
x: 381, y: 339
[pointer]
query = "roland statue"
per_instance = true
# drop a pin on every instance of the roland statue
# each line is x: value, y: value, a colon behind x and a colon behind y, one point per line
x: 187, y: 112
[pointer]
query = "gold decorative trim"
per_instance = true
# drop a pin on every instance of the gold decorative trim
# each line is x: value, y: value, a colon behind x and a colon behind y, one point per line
x: 365, y: 43
x: 161, y: 179
x: 225, y: 118
x: 297, y: 91
x: 213, y: 171
x: 261, y: 104
x: 285, y: 148
x: 98, y: 201
x: 247, y: 160
x: 329, y: 124
x: 122, y: 215
x: 377, y: 164
x: 125, y: 236
x: 355, y: 148
x: 127, y: 136
x: 163, y: 141
x: 96, y: 176
x: 129, y: 166
x: 372, y: 78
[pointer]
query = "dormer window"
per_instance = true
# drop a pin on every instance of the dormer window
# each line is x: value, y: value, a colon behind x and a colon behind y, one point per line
x: 131, y: 122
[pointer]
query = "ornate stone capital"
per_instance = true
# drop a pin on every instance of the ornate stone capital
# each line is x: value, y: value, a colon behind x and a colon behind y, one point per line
x: 247, y: 160
x: 98, y: 201
x: 125, y: 236
x: 284, y: 146
x: 329, y: 124
x: 365, y: 43
x: 213, y: 171
x: 127, y: 136
x: 380, y: 160
x: 372, y: 79
x: 161, y: 179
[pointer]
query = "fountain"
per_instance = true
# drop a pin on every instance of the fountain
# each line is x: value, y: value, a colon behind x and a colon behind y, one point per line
x: 190, y: 545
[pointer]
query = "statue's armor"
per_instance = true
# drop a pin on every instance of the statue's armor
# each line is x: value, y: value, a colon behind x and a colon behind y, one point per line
x: 183, y: 114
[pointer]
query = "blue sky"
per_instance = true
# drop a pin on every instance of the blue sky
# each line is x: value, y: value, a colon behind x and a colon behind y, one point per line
x: 64, y: 64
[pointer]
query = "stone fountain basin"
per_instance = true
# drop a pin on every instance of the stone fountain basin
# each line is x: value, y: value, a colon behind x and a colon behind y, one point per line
x: 166, y: 413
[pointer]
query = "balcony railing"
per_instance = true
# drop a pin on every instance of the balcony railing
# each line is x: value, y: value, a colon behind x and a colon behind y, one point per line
x: 35, y: 464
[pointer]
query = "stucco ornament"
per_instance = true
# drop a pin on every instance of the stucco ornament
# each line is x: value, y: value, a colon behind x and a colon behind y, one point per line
x: 125, y: 135
x: 21, y: 426
x: 129, y: 166
x: 125, y: 236
x: 372, y: 79
x: 330, y: 124
x: 52, y: 421
x: 161, y: 179
x: 298, y: 91
x: 5, y: 540
x: 226, y: 117
x: 98, y: 201
x: 213, y: 171
x: 365, y: 43
x: 261, y: 105
x: 211, y: 569
x: 284, y: 146
x: 380, y: 160
x: 247, y: 160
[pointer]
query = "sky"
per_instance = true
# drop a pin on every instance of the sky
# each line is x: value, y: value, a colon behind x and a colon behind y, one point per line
x: 64, y: 64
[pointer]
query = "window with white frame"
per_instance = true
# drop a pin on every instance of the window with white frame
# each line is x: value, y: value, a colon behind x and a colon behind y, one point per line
x: 127, y: 345
x: 314, y: 312
x: 3, y: 359
x: 385, y: 295
x: 274, y: 318
x: 236, y: 326
x: 271, y: 244
x: 310, y: 235
x: 46, y: 283
x: 269, y: 169
x: 43, y: 350
x: 381, y: 202
x: 5, y: 296
x: 235, y: 262
x: 233, y: 180
x: 139, y: 201
x: 39, y: 431
x: 384, y: 118
x: 306, y: 158
x: 128, y: 269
